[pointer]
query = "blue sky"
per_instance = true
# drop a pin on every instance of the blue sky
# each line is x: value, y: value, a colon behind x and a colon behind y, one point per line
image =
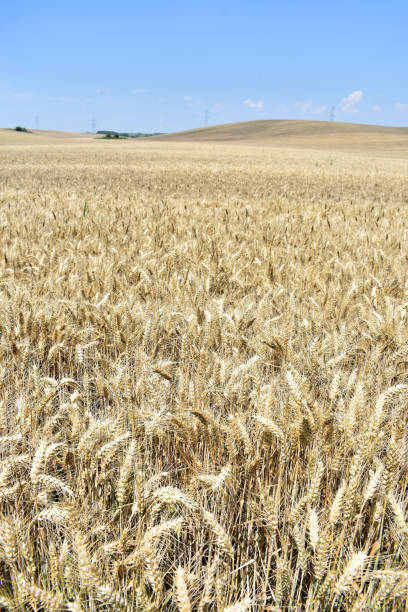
x: 158, y: 66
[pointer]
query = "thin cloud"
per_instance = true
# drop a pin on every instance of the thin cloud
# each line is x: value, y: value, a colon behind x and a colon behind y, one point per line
x: 191, y: 101
x: 17, y: 96
x: 377, y: 108
x: 400, y: 107
x: 28, y: 96
x: 304, y: 106
x: 307, y: 107
x: 139, y: 90
x: 319, y: 110
x: 101, y: 91
x: 65, y: 99
x: 348, y: 103
x: 253, y: 104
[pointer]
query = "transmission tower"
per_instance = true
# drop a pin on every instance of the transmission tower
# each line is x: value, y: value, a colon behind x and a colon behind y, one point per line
x: 93, y: 124
x: 332, y: 114
x: 206, y: 117
x: 37, y: 122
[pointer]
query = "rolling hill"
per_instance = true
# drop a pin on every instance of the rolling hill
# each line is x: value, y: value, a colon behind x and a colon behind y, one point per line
x: 308, y: 134
x: 34, y: 137
x: 319, y: 135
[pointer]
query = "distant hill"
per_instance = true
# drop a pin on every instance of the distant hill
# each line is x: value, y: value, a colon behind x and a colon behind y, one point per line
x: 320, y: 134
x: 32, y: 137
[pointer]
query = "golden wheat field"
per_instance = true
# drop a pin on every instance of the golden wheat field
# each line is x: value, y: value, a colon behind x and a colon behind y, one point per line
x: 203, y: 378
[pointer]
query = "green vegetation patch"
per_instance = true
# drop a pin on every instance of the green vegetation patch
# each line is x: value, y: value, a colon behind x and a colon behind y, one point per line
x: 110, y: 134
x: 19, y: 128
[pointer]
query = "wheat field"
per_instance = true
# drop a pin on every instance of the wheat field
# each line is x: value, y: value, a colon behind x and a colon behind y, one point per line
x: 203, y: 378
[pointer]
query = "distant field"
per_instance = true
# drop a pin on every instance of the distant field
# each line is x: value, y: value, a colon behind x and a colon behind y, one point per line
x: 318, y: 135
x: 33, y: 137
x: 304, y: 134
x: 203, y: 373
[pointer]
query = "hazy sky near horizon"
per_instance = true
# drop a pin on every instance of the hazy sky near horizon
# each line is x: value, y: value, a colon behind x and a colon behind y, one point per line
x: 159, y: 66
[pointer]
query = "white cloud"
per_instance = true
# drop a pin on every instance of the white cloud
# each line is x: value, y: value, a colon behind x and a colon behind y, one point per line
x: 348, y: 103
x: 253, y: 104
x: 377, y: 108
x: 400, y: 107
x: 138, y: 90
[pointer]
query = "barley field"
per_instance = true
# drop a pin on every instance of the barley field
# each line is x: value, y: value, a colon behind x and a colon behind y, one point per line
x: 203, y: 378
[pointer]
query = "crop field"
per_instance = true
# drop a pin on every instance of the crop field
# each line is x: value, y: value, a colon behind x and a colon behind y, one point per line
x: 203, y: 377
